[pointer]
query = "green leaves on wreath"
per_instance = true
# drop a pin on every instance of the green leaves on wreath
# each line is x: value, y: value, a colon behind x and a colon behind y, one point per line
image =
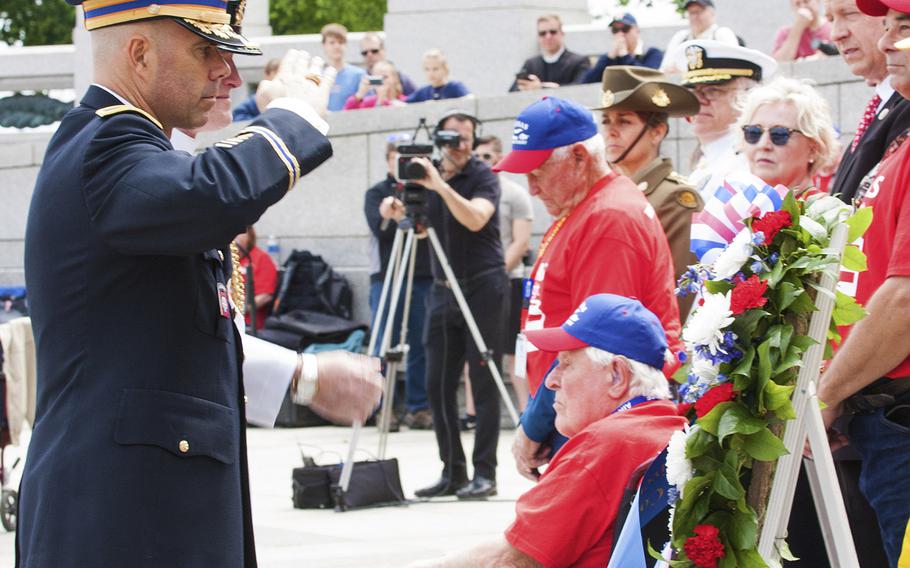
x: 854, y: 259
x: 858, y: 223
x: 846, y: 310
x: 764, y: 446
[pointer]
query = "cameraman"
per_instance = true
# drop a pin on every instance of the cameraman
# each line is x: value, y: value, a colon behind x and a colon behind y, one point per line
x: 382, y: 218
x: 461, y: 205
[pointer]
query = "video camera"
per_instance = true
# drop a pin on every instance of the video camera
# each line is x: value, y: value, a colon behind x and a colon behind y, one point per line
x: 409, y: 171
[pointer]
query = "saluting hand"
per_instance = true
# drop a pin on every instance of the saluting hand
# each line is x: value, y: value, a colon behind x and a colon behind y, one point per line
x: 301, y: 77
x: 349, y: 387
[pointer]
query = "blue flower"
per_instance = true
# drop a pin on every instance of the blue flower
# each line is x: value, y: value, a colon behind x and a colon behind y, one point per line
x: 772, y: 258
x: 758, y: 238
x: 757, y: 267
x: 673, y: 495
x: 726, y: 350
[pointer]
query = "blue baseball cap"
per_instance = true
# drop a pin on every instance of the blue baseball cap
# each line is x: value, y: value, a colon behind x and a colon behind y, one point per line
x: 626, y: 19
x: 620, y: 325
x: 542, y: 127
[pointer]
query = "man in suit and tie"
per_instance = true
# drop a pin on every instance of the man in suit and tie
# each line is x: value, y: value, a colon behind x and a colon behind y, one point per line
x: 887, y: 114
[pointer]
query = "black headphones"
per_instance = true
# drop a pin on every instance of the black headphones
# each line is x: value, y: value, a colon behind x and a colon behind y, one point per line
x: 465, y: 115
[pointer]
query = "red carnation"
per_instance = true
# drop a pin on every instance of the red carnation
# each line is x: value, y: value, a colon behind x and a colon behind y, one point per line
x: 721, y: 393
x: 770, y: 223
x: 748, y: 294
x: 704, y: 548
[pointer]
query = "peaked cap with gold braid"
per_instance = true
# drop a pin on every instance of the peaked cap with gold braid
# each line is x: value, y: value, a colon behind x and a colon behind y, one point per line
x: 210, y: 19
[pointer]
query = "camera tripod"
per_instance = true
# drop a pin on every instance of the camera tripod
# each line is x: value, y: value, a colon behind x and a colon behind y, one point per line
x: 404, y: 249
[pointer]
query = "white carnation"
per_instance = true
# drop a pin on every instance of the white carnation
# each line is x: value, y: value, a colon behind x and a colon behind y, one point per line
x: 814, y: 228
x: 828, y: 210
x: 731, y: 260
x: 705, y: 370
x: 705, y: 326
x: 679, y: 467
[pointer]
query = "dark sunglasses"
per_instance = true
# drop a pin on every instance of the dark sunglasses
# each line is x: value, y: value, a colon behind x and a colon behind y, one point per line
x: 485, y: 156
x: 780, y: 135
x: 543, y: 33
x: 620, y: 29
x: 366, y: 52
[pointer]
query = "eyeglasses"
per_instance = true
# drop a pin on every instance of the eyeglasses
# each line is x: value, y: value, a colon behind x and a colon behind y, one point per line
x: 366, y: 52
x: 543, y: 33
x: 710, y: 92
x: 485, y: 156
x: 780, y: 135
x: 620, y: 29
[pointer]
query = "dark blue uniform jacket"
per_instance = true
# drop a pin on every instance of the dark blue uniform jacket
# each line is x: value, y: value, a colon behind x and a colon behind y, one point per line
x: 138, y: 457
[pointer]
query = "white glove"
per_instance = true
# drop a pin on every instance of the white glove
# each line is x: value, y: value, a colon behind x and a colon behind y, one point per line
x: 300, y: 77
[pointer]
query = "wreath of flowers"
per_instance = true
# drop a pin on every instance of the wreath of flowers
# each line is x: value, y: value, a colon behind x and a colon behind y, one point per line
x: 745, y: 353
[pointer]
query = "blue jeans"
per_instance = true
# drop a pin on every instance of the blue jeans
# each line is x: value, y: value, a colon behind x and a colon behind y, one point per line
x: 883, y: 440
x: 416, y: 368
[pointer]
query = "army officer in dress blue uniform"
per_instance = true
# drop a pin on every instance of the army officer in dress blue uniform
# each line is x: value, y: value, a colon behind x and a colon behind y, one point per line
x: 138, y: 456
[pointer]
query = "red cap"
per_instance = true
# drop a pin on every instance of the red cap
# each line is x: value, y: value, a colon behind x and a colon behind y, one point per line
x: 553, y: 339
x: 881, y: 7
x: 522, y: 161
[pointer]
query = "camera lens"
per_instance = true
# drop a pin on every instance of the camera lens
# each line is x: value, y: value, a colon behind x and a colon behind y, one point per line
x: 415, y: 171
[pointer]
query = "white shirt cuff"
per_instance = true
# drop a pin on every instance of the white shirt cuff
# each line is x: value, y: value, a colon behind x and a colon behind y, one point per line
x: 303, y: 110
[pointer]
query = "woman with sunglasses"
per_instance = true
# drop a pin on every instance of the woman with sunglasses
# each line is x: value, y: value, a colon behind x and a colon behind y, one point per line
x: 637, y: 103
x: 787, y: 134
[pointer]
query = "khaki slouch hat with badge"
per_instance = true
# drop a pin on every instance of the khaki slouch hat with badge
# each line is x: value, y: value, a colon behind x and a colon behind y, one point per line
x: 642, y: 89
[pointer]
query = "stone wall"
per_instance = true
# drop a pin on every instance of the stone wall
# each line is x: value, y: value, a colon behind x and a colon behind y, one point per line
x: 324, y: 213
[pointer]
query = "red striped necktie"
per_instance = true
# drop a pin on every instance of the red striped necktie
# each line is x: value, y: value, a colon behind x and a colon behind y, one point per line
x: 868, y: 117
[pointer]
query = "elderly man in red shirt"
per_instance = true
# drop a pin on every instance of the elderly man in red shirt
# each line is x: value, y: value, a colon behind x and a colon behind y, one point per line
x: 611, y: 400
x: 606, y: 239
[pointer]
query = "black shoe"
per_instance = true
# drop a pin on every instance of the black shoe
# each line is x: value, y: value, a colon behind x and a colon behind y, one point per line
x: 467, y: 422
x: 479, y: 489
x: 444, y: 486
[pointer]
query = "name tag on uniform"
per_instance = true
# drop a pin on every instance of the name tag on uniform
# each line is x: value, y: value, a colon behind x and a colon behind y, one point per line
x: 521, y: 357
x: 223, y: 301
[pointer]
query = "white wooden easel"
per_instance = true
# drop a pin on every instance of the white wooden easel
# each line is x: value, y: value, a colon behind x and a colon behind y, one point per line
x: 829, y: 501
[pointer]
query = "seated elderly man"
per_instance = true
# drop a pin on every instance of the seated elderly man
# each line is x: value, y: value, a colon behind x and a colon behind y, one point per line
x: 611, y: 401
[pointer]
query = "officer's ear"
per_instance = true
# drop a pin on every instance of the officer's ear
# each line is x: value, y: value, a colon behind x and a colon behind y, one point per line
x: 138, y: 50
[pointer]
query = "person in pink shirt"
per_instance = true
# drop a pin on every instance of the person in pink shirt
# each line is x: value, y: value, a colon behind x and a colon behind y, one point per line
x: 802, y: 38
x: 389, y: 93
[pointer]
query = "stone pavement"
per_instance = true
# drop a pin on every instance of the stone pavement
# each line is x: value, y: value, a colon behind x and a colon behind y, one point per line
x: 384, y: 537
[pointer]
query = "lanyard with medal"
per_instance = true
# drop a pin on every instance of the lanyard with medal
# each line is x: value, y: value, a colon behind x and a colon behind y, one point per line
x: 527, y: 291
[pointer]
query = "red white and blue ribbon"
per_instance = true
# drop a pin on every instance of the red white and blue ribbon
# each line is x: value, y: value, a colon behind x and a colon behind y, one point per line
x: 736, y: 196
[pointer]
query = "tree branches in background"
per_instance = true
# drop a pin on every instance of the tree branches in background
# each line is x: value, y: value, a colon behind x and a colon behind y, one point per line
x: 36, y: 22
x: 308, y: 16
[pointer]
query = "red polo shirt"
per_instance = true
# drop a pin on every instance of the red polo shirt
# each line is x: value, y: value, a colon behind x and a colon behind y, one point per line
x: 567, y: 519
x: 612, y: 242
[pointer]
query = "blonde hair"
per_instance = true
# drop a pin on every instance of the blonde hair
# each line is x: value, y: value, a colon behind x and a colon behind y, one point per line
x: 334, y: 30
x: 550, y: 18
x: 436, y: 55
x: 813, y: 115
x: 396, y: 89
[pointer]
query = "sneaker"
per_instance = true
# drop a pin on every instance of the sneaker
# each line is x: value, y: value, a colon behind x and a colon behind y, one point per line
x: 419, y: 420
x: 468, y: 422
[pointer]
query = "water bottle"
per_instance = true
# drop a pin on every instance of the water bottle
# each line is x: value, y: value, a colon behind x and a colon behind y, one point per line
x: 274, y: 250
